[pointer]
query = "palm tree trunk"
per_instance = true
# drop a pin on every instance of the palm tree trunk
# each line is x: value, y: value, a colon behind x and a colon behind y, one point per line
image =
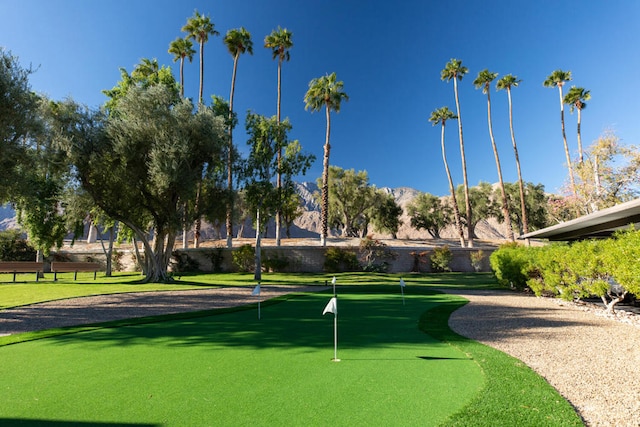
x: 181, y: 76
x: 580, y: 136
x: 201, y: 72
x: 452, y: 190
x: 229, y: 218
x: 505, y: 206
x: 325, y: 183
x: 566, y: 146
x: 464, y: 169
x: 279, y: 176
x: 257, y: 275
x: 523, y: 209
x: 198, y: 225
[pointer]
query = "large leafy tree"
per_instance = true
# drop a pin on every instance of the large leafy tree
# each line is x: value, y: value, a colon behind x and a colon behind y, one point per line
x: 484, y: 202
x: 535, y: 205
x: 182, y: 48
x: 238, y: 41
x: 506, y: 83
x: 280, y: 43
x: 577, y: 98
x: 483, y: 81
x: 430, y: 213
x: 199, y: 27
x: 557, y: 79
x: 385, y: 214
x: 266, y: 137
x: 139, y: 163
x: 440, y: 116
x: 454, y: 70
x: 325, y: 92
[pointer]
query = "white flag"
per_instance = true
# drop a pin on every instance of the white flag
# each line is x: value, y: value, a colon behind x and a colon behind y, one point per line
x: 333, y: 281
x: 332, y: 307
x: 256, y: 290
x: 402, y: 285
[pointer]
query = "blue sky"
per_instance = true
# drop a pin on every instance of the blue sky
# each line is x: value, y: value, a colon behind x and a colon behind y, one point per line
x: 389, y: 56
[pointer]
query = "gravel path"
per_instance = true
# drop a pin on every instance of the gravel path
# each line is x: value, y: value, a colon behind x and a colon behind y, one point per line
x: 592, y: 360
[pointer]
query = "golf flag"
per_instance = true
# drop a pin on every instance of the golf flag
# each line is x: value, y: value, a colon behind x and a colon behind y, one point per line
x: 256, y: 290
x: 332, y: 307
x: 333, y: 281
x: 402, y: 285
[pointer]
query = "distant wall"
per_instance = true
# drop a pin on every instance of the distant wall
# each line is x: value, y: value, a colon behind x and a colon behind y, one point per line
x: 303, y: 258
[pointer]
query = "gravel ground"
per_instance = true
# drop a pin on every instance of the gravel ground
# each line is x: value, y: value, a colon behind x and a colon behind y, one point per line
x: 591, y: 359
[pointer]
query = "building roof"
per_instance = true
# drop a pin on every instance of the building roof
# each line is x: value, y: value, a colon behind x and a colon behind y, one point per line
x: 596, y: 225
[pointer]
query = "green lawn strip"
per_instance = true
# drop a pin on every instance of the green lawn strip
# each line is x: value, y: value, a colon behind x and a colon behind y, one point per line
x: 233, y: 369
x: 514, y: 394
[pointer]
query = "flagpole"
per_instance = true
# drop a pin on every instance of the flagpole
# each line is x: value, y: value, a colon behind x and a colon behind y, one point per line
x: 335, y: 324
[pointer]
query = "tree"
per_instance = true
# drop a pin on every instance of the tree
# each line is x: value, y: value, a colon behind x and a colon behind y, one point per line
x: 558, y: 79
x: 483, y: 81
x: 576, y: 98
x: 535, y: 205
x: 266, y: 137
x: 279, y: 41
x: 181, y: 49
x: 199, y: 27
x: 441, y: 115
x: 350, y: 196
x: 325, y: 91
x: 238, y: 41
x: 18, y: 121
x: 385, y: 214
x: 141, y: 162
x: 430, y: 213
x: 485, y: 207
x: 454, y: 70
x: 507, y: 82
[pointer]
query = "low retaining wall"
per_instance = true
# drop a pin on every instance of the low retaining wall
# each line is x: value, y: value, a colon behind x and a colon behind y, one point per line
x: 301, y: 259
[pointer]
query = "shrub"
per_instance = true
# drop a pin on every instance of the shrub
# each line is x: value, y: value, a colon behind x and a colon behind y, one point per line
x: 337, y: 260
x: 14, y: 247
x: 276, y: 263
x: 418, y: 259
x: 476, y: 258
x: 509, y: 263
x: 441, y: 259
x: 244, y: 258
x: 181, y: 262
x: 217, y: 258
x: 375, y: 255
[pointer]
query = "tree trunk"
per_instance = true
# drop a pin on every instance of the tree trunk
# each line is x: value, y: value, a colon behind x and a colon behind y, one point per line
x: 181, y: 76
x: 580, y: 154
x: 325, y: 183
x: 257, y: 275
x: 464, y: 168
x: 452, y: 190
x: 566, y: 145
x: 229, y: 217
x: 523, y: 207
x: 505, y: 205
x: 279, y: 176
x: 201, y: 72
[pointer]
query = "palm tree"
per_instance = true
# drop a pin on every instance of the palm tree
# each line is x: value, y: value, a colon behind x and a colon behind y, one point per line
x: 483, y: 81
x: 199, y: 27
x: 576, y: 98
x: 507, y: 82
x: 181, y: 49
x: 325, y: 91
x: 454, y: 70
x: 557, y: 79
x: 147, y: 67
x: 441, y: 115
x: 279, y: 41
x: 238, y: 42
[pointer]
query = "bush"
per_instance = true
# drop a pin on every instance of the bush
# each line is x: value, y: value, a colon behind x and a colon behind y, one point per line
x: 244, y: 258
x: 375, y: 255
x: 182, y: 262
x: 217, y: 258
x: 476, y: 258
x: 510, y: 264
x: 14, y: 247
x: 337, y: 260
x: 276, y: 263
x: 441, y: 259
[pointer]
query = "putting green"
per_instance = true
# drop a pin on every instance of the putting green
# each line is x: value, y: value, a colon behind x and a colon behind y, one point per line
x: 233, y: 369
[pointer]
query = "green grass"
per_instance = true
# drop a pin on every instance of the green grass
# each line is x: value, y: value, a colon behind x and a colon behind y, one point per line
x: 401, y: 364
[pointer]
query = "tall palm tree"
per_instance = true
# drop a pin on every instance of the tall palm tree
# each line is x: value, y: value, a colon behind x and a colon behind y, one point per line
x: 507, y: 82
x: 325, y: 92
x: 181, y: 49
x: 454, y: 70
x: 145, y: 68
x: 557, y: 79
x: 199, y: 27
x: 483, y: 81
x: 576, y: 98
x: 238, y: 41
x: 279, y: 41
x: 441, y: 115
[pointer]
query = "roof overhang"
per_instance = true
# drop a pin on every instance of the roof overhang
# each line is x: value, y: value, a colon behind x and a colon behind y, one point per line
x: 596, y: 225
